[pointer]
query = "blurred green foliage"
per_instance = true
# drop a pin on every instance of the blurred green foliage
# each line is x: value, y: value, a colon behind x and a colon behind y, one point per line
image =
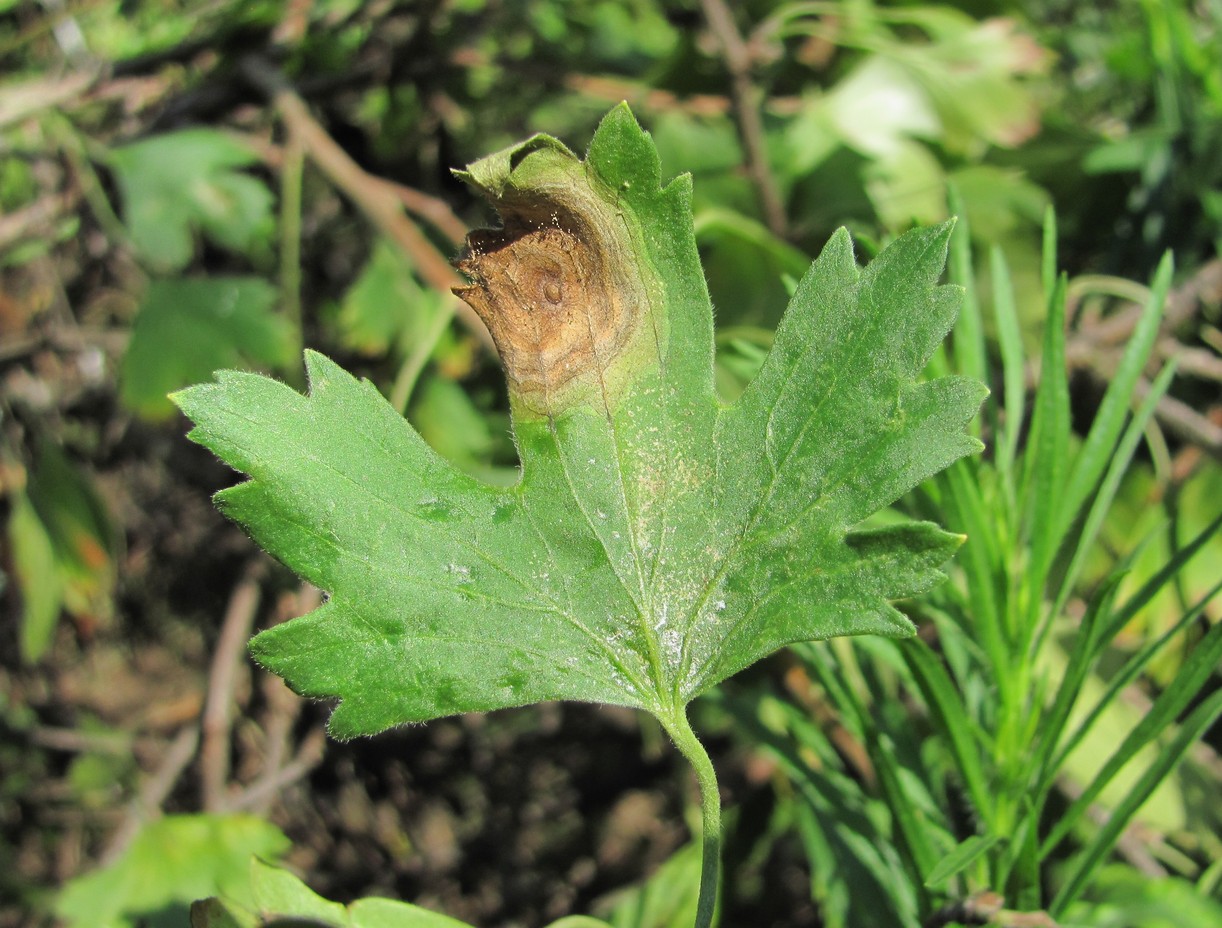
x: 150, y: 221
x: 174, y: 184
x: 191, y: 326
x: 168, y: 865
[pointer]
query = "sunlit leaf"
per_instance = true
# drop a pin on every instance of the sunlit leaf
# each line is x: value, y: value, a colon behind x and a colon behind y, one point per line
x: 171, y: 862
x: 657, y: 542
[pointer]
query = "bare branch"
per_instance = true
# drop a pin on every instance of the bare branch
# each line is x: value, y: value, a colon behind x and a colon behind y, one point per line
x: 226, y: 662
x: 37, y: 217
x: 147, y: 804
x: 748, y: 102
x: 379, y: 200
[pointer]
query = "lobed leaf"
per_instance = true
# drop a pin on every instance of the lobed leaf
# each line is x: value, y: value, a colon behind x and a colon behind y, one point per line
x: 657, y: 542
x: 177, y: 183
x: 188, y: 327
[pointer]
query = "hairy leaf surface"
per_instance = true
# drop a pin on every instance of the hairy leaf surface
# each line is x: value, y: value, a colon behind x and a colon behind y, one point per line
x: 657, y: 541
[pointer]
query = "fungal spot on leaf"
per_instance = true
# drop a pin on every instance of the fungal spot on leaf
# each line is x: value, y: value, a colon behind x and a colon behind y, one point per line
x: 557, y: 307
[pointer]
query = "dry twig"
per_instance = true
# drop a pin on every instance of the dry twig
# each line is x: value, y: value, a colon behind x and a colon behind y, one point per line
x: 748, y: 102
x: 1099, y: 346
x: 226, y: 662
x: 21, y: 101
x: 147, y: 803
x: 378, y: 199
x: 283, y: 708
x: 259, y: 794
x: 987, y: 908
x: 37, y: 217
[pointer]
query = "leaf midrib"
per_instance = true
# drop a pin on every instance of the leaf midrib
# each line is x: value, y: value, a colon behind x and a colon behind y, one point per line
x: 739, y: 544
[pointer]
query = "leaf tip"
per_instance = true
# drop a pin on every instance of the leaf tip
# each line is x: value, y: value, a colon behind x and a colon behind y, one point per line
x: 622, y: 152
x: 193, y: 402
x: 319, y: 368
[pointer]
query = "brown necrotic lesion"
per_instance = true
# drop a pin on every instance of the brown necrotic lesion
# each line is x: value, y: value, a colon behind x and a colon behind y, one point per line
x: 556, y: 303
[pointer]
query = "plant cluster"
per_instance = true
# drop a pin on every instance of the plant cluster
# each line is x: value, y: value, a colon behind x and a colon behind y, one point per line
x: 568, y: 485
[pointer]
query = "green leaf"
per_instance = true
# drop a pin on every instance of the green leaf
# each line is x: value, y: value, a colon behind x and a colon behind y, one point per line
x: 276, y: 893
x: 34, y: 569
x: 962, y: 857
x: 657, y: 542
x: 447, y: 419
x: 388, y: 913
x: 178, y: 183
x: 666, y: 900
x: 216, y: 913
x: 171, y: 862
x: 278, y: 898
x: 64, y: 550
x: 386, y: 308
x: 189, y: 327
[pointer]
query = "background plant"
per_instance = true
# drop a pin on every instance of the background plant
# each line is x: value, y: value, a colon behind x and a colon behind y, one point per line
x: 1113, y: 127
x: 1011, y: 687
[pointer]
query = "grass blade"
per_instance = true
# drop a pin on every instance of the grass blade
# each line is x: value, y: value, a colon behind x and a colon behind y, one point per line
x: 968, y: 336
x: 1197, y: 723
x: 961, y: 858
x: 1022, y: 874
x: 1105, y: 494
x: 1048, y: 255
x: 1013, y: 377
x: 946, y: 707
x: 1129, y: 671
x: 1165, y: 575
x: 979, y: 558
x: 912, y: 832
x: 1198, y: 667
x: 1081, y: 657
x: 1044, y: 460
x: 1096, y: 451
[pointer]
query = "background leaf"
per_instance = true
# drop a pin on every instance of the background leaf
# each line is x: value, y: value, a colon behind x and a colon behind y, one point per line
x: 171, y: 862
x: 180, y: 183
x: 189, y: 327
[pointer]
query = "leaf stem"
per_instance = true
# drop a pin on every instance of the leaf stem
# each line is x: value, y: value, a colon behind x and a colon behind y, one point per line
x: 680, y: 731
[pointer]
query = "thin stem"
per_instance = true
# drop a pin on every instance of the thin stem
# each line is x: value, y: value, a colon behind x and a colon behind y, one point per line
x: 689, y: 745
x: 371, y: 195
x: 290, y: 241
x: 77, y: 152
x: 413, y: 364
x: 748, y: 100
